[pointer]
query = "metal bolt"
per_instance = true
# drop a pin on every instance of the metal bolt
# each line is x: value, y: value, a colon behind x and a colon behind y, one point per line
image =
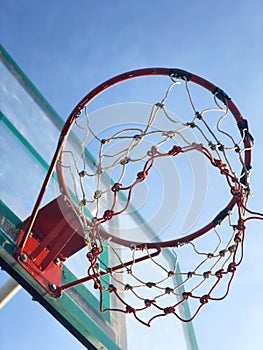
x: 52, y: 287
x: 57, y: 261
x: 23, y: 257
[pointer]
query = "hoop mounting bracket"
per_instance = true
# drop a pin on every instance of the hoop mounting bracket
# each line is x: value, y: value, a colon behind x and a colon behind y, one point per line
x: 55, y: 236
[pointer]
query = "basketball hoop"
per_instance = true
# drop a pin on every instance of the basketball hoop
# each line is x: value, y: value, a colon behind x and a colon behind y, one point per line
x: 212, y: 252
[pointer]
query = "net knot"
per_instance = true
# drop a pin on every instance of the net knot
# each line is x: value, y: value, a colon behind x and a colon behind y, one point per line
x: 125, y: 160
x: 219, y: 273
x: 99, y: 170
x: 116, y: 187
x: 93, y: 254
x: 238, y: 237
x: 198, y: 115
x: 232, y: 248
x: 169, y: 310
x: 127, y: 287
x: 221, y: 147
x: 103, y: 141
x: 175, y: 150
x: 142, y: 175
x: 82, y: 173
x: 150, y: 284
x: 231, y: 267
x: 137, y: 137
x: 223, y: 252
x: 170, y: 134
x: 168, y: 290
x: 241, y: 225
x: 186, y: 295
x: 96, y: 285
x: 97, y: 194
x: 90, y: 256
x: 191, y: 124
x: 108, y: 214
x: 204, y: 299
x: 212, y: 145
x: 111, y: 288
x: 83, y: 202
x: 148, y: 302
x: 129, y: 309
x: 219, y: 164
x: 237, y: 148
x: 207, y: 274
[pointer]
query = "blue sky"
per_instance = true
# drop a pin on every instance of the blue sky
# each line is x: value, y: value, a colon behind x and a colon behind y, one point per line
x: 66, y: 48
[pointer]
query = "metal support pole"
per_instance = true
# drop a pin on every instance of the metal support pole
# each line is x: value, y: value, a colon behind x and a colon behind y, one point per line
x: 8, y: 291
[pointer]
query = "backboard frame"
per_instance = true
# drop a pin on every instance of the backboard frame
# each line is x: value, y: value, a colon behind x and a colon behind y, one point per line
x: 81, y: 324
x: 77, y: 322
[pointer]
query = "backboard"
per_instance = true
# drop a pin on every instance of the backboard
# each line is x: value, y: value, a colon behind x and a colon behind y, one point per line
x: 27, y: 121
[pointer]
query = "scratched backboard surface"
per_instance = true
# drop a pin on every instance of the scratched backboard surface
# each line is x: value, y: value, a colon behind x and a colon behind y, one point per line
x: 29, y: 130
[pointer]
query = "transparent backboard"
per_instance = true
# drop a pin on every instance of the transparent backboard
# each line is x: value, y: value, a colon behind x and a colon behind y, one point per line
x: 29, y: 131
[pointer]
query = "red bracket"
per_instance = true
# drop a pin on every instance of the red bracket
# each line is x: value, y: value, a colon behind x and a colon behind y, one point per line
x: 56, y: 235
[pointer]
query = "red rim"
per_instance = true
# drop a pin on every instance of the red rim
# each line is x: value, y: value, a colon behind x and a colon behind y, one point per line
x: 180, y: 74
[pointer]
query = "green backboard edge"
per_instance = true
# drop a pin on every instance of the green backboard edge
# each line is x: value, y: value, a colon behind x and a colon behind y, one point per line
x: 63, y: 309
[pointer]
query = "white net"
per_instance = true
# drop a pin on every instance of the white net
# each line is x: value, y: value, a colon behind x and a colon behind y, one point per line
x: 112, y: 172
